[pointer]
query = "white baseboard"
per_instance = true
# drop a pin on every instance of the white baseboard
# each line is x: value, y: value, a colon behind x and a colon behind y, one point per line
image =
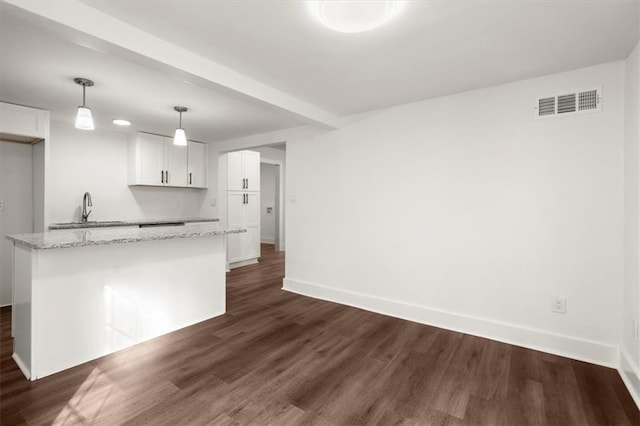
x: 267, y: 240
x: 241, y: 263
x: 630, y: 374
x: 567, y: 346
x: 21, y: 366
x: 5, y: 305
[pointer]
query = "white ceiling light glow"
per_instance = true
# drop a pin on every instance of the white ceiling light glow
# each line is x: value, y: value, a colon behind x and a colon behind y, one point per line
x: 121, y: 122
x: 354, y: 16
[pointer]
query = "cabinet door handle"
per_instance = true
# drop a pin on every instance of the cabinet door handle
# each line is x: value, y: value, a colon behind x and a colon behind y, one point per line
x: 167, y: 175
x: 190, y: 178
x: 247, y: 183
x: 161, y: 176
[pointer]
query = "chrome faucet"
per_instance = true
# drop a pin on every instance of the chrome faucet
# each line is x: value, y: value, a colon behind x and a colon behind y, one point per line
x: 86, y: 201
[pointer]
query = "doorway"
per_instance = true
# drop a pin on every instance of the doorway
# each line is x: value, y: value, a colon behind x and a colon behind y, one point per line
x: 21, y: 201
x: 270, y: 204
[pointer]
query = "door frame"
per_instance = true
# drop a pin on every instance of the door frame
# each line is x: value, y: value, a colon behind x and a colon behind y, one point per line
x: 279, y: 201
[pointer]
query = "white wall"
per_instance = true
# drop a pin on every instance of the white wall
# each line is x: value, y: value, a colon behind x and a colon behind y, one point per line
x: 468, y: 213
x: 96, y: 161
x: 631, y: 294
x: 267, y: 200
x: 17, y: 194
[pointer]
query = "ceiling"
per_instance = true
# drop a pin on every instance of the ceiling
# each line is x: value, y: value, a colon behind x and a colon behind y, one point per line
x: 433, y: 48
x: 38, y: 66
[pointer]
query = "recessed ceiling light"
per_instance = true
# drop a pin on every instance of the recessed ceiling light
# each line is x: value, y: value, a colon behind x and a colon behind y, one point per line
x: 121, y: 122
x: 354, y: 16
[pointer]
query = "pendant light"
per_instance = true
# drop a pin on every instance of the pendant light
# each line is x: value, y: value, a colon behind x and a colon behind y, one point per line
x: 180, y: 138
x: 84, y: 119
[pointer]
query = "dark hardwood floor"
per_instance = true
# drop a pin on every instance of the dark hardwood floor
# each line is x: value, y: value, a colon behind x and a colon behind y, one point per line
x: 283, y: 359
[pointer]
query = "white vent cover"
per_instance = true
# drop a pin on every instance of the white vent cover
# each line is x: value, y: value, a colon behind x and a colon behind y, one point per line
x: 569, y: 103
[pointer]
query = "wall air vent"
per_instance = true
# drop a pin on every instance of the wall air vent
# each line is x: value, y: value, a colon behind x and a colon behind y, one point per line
x: 573, y: 102
x: 547, y: 106
x: 566, y: 103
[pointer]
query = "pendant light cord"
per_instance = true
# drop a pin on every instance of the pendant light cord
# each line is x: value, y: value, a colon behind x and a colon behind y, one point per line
x: 84, y: 88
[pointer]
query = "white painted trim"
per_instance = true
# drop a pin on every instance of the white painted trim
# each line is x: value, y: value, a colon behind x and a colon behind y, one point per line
x: 630, y: 374
x: 6, y: 305
x: 567, y: 346
x: 242, y: 263
x: 267, y: 240
x: 22, y: 366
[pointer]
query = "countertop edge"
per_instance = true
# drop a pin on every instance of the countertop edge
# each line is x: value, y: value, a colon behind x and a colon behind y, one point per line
x: 150, y: 236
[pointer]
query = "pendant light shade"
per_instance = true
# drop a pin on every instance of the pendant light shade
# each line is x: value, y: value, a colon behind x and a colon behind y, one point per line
x: 180, y: 138
x: 84, y: 119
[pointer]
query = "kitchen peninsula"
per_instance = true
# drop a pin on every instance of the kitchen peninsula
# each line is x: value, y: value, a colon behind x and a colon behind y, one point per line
x: 82, y: 294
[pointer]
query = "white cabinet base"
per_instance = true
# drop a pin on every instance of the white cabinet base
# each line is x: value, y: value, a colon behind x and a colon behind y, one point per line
x: 73, y: 305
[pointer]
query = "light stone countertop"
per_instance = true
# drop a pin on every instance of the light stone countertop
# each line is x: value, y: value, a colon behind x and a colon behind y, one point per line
x: 113, y: 223
x: 91, y: 237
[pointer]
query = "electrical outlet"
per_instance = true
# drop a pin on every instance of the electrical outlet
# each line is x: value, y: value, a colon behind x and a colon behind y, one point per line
x: 559, y: 305
x: 1, y: 205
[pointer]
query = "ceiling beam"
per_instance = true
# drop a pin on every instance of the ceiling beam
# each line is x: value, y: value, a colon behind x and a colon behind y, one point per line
x: 137, y: 45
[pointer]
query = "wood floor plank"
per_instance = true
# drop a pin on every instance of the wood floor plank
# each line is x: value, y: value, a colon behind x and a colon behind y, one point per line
x: 284, y: 359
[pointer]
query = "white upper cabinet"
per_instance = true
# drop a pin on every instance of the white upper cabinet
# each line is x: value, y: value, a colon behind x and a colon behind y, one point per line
x: 198, y: 158
x: 176, y: 158
x: 23, y: 121
x: 251, y: 170
x: 235, y: 171
x: 243, y: 171
x: 155, y: 161
x: 148, y: 160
